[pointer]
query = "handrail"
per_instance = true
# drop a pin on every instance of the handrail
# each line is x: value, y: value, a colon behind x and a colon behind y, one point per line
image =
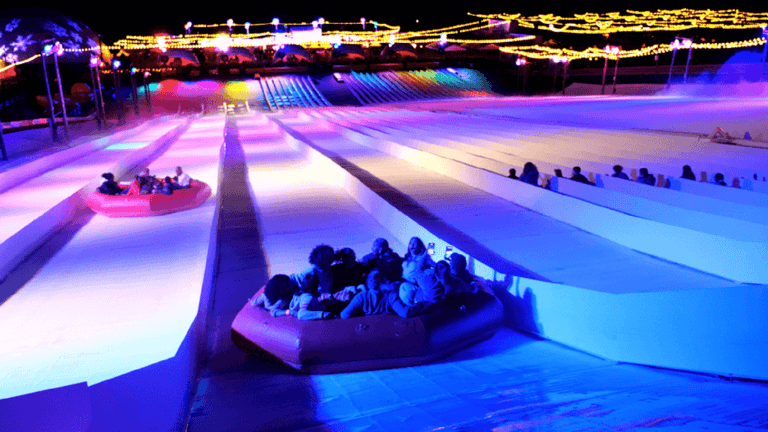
x: 354, y: 91
x: 364, y: 87
x: 266, y: 97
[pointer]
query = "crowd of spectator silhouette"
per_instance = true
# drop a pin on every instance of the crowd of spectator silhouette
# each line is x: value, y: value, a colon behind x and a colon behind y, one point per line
x: 380, y: 283
x: 530, y: 175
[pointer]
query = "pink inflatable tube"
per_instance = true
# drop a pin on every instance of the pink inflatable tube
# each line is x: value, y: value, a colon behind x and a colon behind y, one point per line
x: 149, y: 205
x: 370, y: 342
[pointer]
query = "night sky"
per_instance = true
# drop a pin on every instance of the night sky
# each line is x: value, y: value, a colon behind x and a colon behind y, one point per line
x: 140, y: 18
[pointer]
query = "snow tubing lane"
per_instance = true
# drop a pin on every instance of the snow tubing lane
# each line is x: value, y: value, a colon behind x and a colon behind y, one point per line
x: 369, y: 342
x: 151, y: 204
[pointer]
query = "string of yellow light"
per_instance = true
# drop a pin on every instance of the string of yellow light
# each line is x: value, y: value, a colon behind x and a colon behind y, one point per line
x: 638, y: 21
x: 542, y: 52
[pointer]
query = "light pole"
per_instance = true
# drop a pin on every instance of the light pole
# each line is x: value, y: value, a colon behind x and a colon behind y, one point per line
x: 557, y: 60
x: 565, y: 72
x: 247, y: 28
x: 362, y: 21
x: 2, y: 144
x: 678, y: 43
x: 230, y: 22
x: 616, y: 68
x: 687, y: 43
x: 135, y: 93
x: 57, y: 51
x: 47, y: 49
x: 118, y: 91
x: 188, y: 27
x: 146, y: 91
x: 765, y: 49
x: 276, y: 22
x: 94, y: 62
x: 608, y: 51
x: 519, y: 62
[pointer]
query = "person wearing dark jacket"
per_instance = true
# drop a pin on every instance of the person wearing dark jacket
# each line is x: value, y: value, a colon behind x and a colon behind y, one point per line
x: 348, y: 272
x: 375, y: 301
x: 577, y: 176
x: 646, y: 178
x: 618, y: 172
x: 384, y: 259
x: 688, y: 173
x: 110, y: 186
x: 530, y: 174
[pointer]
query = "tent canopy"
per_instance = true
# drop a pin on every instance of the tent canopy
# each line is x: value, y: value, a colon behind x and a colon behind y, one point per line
x: 186, y: 57
x: 448, y: 47
x: 481, y: 47
x: 23, y: 33
x: 399, y: 49
x: 286, y: 52
x: 349, y: 50
x: 242, y: 55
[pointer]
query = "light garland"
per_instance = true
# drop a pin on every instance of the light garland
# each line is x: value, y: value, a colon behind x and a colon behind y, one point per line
x: 542, y: 52
x: 588, y: 23
x: 638, y: 21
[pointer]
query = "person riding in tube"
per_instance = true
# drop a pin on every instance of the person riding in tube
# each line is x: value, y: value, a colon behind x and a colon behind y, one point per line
x: 182, y: 178
x: 109, y: 186
x: 416, y: 260
x: 348, y: 272
x: 320, y: 260
x: 305, y: 304
x: 134, y: 188
x: 277, y: 295
x: 384, y: 259
x: 373, y: 300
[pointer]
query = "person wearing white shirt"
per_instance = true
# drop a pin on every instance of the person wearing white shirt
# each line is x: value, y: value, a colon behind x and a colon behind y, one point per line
x: 182, y: 178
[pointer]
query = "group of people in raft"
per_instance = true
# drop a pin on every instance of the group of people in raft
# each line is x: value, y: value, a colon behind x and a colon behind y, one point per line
x: 145, y: 184
x: 380, y: 283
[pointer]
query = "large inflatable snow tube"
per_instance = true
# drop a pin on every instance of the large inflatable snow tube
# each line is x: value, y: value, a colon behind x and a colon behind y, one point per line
x: 369, y: 342
x: 151, y: 204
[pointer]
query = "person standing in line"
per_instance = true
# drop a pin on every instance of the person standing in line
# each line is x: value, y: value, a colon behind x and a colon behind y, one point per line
x: 579, y: 177
x: 618, y: 172
x: 646, y: 177
x: 688, y: 173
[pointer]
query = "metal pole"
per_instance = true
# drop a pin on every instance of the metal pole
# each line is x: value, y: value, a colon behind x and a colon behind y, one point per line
x: 61, y: 95
x: 52, y: 119
x: 525, y: 75
x: 605, y: 70
x: 672, y: 65
x: 119, y: 94
x: 2, y: 144
x: 135, y: 94
x: 97, y: 71
x: 95, y: 98
x: 615, y: 71
x: 146, y: 94
x: 765, y: 53
x: 554, y: 83
x: 565, y: 75
x: 690, y: 51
